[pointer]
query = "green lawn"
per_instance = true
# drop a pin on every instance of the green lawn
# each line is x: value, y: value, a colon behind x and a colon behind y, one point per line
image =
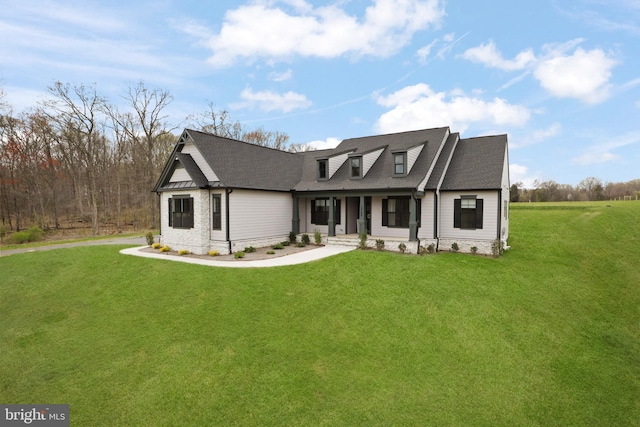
x: 548, y: 334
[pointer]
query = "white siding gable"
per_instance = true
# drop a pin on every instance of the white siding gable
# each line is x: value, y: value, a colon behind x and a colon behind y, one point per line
x: 412, y: 156
x: 369, y: 159
x: 180, y: 175
x: 335, y: 162
x: 190, y: 148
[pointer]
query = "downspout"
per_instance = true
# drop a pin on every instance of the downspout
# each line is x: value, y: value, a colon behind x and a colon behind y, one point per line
x: 499, y: 213
x: 228, y: 191
x: 436, y: 222
x: 418, y: 220
x: 159, y: 213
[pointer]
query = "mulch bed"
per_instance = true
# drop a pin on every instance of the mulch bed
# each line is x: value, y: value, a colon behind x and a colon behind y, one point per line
x: 260, y: 253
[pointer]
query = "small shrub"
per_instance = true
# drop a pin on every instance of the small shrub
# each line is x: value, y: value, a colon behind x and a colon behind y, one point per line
x: 285, y: 243
x: 183, y: 252
x: 3, y: 231
x: 150, y: 238
x: 292, y: 237
x: 379, y: 244
x: 474, y: 249
x: 402, y: 247
x: 301, y: 244
x: 271, y: 252
x: 317, y: 237
x: 214, y: 253
x: 239, y: 255
x: 431, y: 248
x: 156, y: 246
x: 363, y: 240
x: 277, y: 246
x: 455, y: 247
x: 165, y: 249
x: 33, y: 234
x: 249, y: 249
x: 305, y: 239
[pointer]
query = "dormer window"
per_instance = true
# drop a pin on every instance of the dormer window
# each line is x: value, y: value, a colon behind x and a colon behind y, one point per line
x: 356, y: 167
x: 400, y: 164
x: 323, y: 169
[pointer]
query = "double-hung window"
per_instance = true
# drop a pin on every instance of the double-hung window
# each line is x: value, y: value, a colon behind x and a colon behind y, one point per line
x: 323, y: 169
x: 216, y: 211
x: 181, y: 212
x: 467, y: 213
x: 320, y: 211
x: 399, y: 164
x: 395, y: 212
x: 355, y: 167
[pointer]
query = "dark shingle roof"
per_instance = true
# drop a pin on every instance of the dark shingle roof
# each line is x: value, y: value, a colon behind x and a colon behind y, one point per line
x: 441, y: 163
x: 243, y: 165
x: 380, y: 175
x: 477, y: 164
x: 192, y: 169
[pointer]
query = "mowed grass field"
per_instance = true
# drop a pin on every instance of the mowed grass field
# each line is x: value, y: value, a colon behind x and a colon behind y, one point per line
x: 548, y: 334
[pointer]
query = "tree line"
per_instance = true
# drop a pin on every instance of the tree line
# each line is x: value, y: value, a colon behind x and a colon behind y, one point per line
x: 590, y: 188
x: 77, y: 160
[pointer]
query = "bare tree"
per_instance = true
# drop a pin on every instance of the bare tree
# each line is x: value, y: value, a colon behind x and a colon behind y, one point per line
x: 76, y: 112
x: 592, y: 187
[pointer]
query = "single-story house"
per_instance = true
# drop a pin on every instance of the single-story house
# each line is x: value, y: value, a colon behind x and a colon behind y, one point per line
x: 418, y: 188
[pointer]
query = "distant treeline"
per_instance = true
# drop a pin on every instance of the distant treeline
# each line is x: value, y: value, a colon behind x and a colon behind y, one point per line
x: 590, y: 188
x: 77, y: 160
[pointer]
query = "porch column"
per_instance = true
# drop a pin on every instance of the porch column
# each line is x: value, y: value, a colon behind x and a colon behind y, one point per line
x: 413, y: 223
x: 362, y: 217
x: 331, y: 221
x: 295, y: 221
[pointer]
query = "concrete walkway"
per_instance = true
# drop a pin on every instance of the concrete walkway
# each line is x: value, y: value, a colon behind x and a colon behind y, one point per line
x: 297, y: 258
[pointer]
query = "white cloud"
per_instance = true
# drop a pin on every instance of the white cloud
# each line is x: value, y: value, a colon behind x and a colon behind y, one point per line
x: 267, y: 100
x: 520, y: 173
x: 267, y: 29
x: 323, y: 145
x: 537, y: 136
x: 584, y: 75
x: 281, y: 77
x: 602, y: 153
x: 488, y: 55
x: 419, y: 107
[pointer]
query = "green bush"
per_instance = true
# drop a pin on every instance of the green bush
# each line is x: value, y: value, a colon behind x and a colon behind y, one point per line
x: 305, y: 239
x: 249, y: 249
x: 292, y: 237
x: 285, y: 243
x: 402, y: 247
x: 317, y: 237
x: 431, y: 248
x: 33, y: 234
x: 474, y: 249
x: 239, y: 255
x: 301, y: 244
x: 455, y: 247
x: 363, y: 240
x: 277, y: 246
x: 150, y: 238
x: 379, y: 244
x: 271, y: 252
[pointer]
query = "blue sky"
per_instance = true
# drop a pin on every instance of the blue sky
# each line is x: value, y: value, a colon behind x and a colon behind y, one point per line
x: 561, y: 78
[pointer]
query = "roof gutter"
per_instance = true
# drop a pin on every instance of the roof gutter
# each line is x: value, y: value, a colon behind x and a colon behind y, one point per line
x: 228, y: 191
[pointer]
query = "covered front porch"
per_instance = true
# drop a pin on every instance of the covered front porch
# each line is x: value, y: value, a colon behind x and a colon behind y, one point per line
x: 390, y: 243
x: 392, y: 215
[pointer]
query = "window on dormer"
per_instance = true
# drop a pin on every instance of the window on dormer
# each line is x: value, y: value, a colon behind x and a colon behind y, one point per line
x: 356, y: 167
x: 400, y: 163
x: 323, y: 169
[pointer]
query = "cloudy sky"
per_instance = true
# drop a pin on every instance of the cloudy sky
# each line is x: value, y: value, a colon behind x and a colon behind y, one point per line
x: 561, y: 77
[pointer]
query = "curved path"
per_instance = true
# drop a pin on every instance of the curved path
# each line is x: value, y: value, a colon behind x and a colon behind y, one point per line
x: 296, y: 258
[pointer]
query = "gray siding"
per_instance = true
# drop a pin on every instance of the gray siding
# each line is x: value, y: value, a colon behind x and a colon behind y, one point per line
x: 490, y: 216
x: 257, y: 214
